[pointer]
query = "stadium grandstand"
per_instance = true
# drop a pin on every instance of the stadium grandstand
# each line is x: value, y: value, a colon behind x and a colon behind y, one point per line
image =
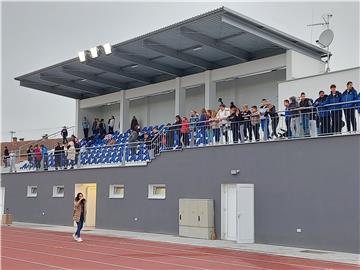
x: 211, y: 128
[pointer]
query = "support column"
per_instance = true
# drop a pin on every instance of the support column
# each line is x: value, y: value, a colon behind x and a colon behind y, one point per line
x: 180, y: 93
x: 78, y: 121
x: 124, y: 113
x: 210, y: 91
x: 147, y: 117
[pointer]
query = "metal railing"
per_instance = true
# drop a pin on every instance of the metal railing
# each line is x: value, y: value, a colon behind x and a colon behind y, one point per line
x: 327, y: 120
x: 55, y: 135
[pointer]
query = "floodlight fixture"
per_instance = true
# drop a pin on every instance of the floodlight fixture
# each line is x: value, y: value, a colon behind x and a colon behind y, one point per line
x: 94, y: 52
x: 107, y: 48
x: 84, y: 55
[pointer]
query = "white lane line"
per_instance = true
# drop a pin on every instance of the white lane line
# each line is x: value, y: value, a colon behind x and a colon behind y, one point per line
x: 206, y: 253
x: 331, y: 264
x: 183, y: 257
x: 74, y: 258
x: 37, y: 263
x: 108, y: 254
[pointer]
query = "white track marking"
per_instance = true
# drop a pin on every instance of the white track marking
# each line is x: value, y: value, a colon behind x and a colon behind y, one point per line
x: 74, y: 258
x: 32, y: 262
x: 147, y: 252
x: 189, y: 251
x: 202, y: 252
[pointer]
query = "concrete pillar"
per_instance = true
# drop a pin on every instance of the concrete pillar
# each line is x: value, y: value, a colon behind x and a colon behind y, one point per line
x: 78, y: 121
x: 210, y: 91
x: 289, y: 63
x: 299, y: 65
x: 124, y: 113
x: 179, y: 98
x: 147, y: 117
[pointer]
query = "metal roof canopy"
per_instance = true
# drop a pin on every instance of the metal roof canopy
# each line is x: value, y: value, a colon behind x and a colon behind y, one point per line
x: 215, y: 39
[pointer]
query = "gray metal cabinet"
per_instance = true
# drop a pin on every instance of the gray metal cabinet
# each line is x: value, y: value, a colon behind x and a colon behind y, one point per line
x: 196, y: 218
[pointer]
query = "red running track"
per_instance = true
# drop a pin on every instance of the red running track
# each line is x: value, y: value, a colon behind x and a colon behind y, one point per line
x: 40, y: 249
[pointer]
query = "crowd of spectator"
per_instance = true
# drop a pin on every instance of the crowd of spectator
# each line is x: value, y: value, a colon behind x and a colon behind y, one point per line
x: 302, y: 116
x: 66, y: 154
x: 98, y: 127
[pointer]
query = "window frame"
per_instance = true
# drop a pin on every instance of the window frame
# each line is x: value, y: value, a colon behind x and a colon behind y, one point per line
x: 153, y: 196
x: 58, y: 195
x: 112, y: 195
x: 28, y: 192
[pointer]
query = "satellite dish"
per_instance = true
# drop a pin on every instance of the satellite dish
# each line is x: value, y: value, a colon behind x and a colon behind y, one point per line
x: 326, y: 38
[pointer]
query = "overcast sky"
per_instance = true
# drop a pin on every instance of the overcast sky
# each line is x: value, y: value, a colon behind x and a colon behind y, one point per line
x: 40, y: 34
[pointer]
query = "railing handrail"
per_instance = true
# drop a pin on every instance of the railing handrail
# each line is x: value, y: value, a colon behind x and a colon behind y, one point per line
x: 198, y: 124
x: 39, y: 140
x: 278, y: 112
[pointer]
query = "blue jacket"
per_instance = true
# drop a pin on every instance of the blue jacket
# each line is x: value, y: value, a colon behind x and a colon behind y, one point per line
x: 202, y: 121
x: 358, y: 104
x: 287, y: 113
x: 320, y: 105
x: 349, y: 96
x: 44, y: 151
x: 334, y: 99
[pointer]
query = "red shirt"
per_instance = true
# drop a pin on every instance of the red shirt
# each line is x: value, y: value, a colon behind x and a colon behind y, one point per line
x: 37, y: 153
x: 185, y: 127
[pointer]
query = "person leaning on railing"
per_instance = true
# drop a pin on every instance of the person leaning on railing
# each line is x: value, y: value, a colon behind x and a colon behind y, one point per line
x: 222, y: 115
x: 335, y: 110
x: 215, y: 126
x: 57, y: 155
x: 323, y: 113
x: 235, y: 119
x: 264, y: 118
x: 203, y: 125
x: 194, y: 118
x: 305, y: 104
x: 246, y: 113
x: 349, y: 95
x: 274, y: 116
x: 6, y: 157
x: 44, y: 153
x: 295, y: 117
x: 209, y: 129
x: 30, y: 156
x: 185, y: 130
x: 255, y: 122
x: 38, y: 157
x: 177, y: 133
x: 287, y: 115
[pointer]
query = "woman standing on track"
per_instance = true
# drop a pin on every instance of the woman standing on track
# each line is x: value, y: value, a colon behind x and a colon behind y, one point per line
x: 79, y: 214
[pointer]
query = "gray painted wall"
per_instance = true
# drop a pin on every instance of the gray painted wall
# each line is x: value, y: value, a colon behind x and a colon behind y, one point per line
x: 311, y: 184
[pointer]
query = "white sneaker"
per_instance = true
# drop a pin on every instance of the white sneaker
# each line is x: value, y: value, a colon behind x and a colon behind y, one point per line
x: 79, y: 239
x: 74, y: 236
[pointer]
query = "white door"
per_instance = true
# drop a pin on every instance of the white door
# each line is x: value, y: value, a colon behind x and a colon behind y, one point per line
x: 2, y: 200
x: 229, y: 212
x: 90, y: 206
x: 237, y: 215
x: 245, y: 213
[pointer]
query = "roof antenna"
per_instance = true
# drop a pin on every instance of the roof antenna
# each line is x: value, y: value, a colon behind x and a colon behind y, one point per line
x: 326, y: 37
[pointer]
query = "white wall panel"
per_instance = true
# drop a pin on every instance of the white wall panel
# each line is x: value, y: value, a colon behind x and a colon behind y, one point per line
x: 162, y: 109
x: 312, y: 85
x: 195, y: 99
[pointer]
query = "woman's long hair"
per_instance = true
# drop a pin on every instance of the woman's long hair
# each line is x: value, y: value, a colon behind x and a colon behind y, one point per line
x: 77, y: 196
